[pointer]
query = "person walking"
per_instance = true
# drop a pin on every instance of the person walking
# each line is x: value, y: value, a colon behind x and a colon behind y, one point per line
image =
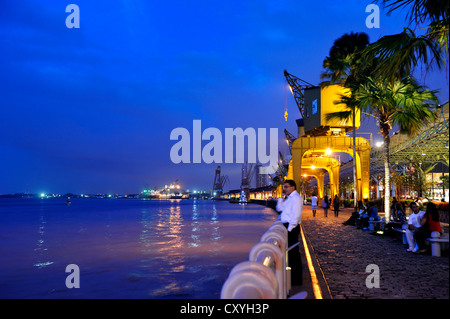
x: 314, y: 204
x: 291, y: 209
x: 325, y: 205
x: 336, y: 205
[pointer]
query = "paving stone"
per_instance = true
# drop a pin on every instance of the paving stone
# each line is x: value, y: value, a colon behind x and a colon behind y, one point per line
x: 344, y: 252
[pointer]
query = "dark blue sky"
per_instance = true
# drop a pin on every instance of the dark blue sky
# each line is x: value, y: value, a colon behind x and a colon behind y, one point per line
x: 91, y: 109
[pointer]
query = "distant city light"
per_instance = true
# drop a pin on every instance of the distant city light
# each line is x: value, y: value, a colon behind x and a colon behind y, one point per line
x: 328, y: 151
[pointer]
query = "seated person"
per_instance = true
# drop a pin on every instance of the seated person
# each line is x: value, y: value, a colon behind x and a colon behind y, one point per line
x: 372, y: 211
x: 399, y: 218
x: 393, y: 207
x: 430, y: 223
x: 356, y: 214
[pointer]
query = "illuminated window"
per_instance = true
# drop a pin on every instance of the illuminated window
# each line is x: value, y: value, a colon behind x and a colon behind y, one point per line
x: 314, y: 106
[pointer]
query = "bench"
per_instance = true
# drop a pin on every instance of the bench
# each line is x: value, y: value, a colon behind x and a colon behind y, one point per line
x: 378, y: 224
x: 436, y: 240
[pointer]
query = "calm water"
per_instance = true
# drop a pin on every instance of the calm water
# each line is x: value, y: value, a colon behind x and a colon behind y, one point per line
x: 124, y: 248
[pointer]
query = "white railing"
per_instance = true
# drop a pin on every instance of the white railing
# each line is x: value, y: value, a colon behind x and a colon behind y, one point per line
x: 264, y: 275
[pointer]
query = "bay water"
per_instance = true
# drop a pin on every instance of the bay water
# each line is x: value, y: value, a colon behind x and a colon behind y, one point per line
x: 124, y: 248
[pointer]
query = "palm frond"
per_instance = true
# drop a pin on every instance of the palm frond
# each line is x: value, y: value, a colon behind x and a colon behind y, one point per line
x: 420, y: 10
x: 404, y: 103
x: 399, y: 54
x: 342, y: 116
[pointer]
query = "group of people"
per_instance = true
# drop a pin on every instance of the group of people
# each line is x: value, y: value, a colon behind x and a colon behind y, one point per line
x: 326, y: 204
x: 290, y: 207
x: 362, y: 215
x: 420, y: 224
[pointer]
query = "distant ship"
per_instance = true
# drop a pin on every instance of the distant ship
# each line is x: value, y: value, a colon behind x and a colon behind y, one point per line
x: 172, y: 191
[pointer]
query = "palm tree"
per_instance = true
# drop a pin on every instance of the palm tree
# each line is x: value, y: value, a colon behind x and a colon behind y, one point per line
x: 400, y: 53
x: 344, y: 60
x: 404, y: 103
x: 343, y: 66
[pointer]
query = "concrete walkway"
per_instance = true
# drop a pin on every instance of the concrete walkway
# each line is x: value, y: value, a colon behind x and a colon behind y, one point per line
x: 341, y: 254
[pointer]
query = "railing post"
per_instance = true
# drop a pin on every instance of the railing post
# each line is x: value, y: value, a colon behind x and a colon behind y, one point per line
x: 250, y: 280
x: 264, y: 275
x: 271, y: 256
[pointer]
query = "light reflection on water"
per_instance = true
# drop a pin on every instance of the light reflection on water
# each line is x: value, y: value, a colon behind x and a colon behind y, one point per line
x: 124, y: 248
x: 41, y: 247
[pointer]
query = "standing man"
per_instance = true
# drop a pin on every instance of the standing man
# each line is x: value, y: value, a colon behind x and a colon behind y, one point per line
x: 291, y: 209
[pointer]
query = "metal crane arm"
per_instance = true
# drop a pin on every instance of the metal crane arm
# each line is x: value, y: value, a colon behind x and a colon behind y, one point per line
x: 297, y: 86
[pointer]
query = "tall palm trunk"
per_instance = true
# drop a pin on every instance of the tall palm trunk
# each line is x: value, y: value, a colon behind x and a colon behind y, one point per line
x: 387, y: 175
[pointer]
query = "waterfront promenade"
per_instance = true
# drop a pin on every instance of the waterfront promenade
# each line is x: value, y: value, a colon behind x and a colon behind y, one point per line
x: 340, y: 255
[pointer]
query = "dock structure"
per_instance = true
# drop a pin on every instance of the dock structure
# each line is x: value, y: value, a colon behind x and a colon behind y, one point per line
x: 339, y: 262
x: 313, y: 152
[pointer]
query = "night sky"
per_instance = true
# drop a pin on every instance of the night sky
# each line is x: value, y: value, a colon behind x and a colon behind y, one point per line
x: 90, y: 110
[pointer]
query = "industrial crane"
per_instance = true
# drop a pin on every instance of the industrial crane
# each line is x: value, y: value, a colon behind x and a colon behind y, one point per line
x: 248, y: 171
x: 289, y: 139
x: 219, y: 183
x: 297, y: 87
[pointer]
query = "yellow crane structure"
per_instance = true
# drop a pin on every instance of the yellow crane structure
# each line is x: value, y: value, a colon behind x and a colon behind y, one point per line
x: 319, y: 138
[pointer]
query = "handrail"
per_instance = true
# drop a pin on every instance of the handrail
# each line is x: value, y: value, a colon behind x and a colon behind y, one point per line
x: 264, y: 275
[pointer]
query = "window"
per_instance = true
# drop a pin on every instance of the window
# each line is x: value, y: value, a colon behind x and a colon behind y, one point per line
x: 314, y: 106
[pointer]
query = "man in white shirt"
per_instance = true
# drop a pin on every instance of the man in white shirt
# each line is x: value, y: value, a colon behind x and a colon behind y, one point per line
x: 413, y: 225
x: 291, y: 209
